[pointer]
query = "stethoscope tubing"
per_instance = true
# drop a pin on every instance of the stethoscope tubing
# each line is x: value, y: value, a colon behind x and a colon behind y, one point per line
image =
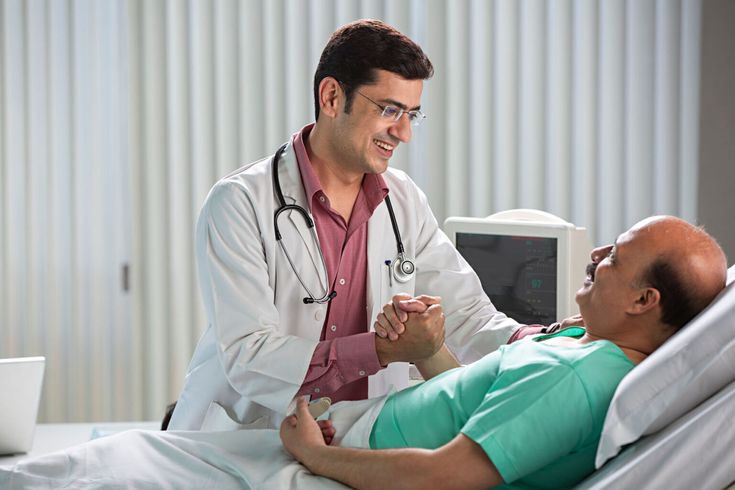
x: 403, y: 268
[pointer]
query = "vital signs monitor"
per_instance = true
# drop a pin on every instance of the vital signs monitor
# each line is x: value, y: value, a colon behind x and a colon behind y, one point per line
x: 530, y: 262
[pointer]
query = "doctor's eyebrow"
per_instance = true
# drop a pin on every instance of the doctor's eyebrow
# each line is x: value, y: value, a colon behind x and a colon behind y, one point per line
x: 400, y: 105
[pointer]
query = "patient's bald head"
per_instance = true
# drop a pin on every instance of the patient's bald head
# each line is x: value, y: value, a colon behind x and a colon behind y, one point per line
x: 687, y: 267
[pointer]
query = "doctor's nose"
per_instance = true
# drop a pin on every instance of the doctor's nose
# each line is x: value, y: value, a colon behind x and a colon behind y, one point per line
x: 402, y: 129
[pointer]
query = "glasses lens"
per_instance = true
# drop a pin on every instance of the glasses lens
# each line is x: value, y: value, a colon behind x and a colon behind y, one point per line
x: 392, y: 112
x: 416, y: 117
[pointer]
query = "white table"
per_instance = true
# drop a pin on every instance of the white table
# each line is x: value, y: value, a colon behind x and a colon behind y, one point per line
x: 55, y: 437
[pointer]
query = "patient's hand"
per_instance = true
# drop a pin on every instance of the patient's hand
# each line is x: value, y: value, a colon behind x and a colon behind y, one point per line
x: 300, y: 432
x: 328, y: 430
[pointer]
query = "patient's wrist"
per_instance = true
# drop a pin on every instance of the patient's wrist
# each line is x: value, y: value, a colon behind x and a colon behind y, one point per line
x: 312, y: 456
x: 442, y: 360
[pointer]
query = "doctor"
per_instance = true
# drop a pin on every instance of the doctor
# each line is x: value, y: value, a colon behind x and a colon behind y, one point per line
x: 292, y: 308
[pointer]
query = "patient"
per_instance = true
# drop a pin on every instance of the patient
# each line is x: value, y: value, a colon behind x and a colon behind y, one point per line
x: 531, y: 413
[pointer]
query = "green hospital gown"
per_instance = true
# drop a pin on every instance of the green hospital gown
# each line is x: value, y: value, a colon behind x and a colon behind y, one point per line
x: 536, y: 409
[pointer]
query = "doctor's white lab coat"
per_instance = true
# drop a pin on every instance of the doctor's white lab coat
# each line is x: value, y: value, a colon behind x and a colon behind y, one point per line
x: 260, y: 337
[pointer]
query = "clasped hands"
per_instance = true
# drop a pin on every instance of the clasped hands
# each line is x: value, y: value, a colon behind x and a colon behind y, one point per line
x: 409, y: 329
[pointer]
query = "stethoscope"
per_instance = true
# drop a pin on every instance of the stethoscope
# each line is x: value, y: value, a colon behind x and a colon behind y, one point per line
x: 402, y: 267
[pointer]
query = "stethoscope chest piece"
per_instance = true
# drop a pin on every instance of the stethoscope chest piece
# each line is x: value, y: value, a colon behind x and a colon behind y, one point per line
x: 403, y: 269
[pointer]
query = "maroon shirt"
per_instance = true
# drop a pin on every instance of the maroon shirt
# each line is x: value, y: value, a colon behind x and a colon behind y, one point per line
x: 345, y: 355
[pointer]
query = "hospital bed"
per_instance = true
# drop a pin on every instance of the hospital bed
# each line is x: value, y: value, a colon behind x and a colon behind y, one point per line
x: 669, y: 426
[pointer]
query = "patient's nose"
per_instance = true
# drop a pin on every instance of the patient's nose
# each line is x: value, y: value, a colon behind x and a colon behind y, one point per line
x: 600, y: 253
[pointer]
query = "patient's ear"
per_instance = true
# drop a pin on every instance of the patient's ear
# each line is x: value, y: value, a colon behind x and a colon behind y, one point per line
x: 647, y: 299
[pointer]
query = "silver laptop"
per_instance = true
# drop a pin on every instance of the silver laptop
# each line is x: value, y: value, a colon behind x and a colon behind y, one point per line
x: 21, y: 380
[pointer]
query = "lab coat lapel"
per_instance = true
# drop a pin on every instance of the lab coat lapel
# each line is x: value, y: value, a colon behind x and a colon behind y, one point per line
x: 380, y: 238
x: 293, y: 193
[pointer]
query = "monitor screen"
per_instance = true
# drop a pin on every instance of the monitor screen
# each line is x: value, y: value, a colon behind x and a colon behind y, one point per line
x: 518, y: 273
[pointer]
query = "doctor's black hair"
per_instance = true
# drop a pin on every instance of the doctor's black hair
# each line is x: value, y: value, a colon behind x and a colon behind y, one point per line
x: 357, y: 49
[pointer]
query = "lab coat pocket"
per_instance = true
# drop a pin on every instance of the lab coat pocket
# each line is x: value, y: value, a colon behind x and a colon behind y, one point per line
x: 390, y: 286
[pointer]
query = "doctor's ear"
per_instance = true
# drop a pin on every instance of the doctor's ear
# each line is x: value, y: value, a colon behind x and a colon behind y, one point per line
x: 331, y: 97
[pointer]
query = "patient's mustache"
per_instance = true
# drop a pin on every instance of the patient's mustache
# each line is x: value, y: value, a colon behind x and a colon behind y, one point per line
x: 591, y: 268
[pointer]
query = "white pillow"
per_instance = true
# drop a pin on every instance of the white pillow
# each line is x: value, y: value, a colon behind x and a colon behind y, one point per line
x: 689, y: 368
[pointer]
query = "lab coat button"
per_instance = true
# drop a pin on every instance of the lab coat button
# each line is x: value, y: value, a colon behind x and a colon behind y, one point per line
x: 319, y: 315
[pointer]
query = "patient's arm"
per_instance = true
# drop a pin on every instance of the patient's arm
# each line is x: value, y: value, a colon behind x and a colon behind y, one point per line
x: 442, y: 361
x: 461, y: 463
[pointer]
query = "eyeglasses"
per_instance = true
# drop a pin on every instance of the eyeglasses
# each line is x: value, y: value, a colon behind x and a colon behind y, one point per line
x: 395, y: 113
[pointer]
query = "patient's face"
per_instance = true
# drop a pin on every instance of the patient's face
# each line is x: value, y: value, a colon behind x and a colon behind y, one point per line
x: 612, y: 282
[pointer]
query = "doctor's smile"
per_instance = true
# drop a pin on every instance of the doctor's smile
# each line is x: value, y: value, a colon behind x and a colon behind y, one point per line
x: 387, y: 149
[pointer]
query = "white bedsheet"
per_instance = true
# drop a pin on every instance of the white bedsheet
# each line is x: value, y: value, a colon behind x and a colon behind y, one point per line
x: 249, y: 459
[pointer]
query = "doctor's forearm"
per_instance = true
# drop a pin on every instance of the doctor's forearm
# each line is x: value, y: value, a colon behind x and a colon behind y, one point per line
x: 338, y: 362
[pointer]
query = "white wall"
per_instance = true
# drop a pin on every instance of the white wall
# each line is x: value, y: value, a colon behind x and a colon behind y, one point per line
x: 116, y: 117
x: 65, y: 204
x: 717, y: 124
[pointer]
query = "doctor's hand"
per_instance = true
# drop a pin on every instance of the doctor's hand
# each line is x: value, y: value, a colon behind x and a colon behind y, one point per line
x: 391, y: 322
x: 422, y: 337
x: 300, y: 432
